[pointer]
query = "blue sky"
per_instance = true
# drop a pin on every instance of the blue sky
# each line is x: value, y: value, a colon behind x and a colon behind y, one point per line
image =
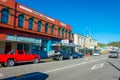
x: 99, y: 18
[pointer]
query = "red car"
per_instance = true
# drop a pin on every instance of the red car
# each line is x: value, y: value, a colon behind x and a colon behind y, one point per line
x: 18, y: 56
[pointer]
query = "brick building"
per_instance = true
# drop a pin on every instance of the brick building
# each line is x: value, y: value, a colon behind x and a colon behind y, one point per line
x: 22, y: 28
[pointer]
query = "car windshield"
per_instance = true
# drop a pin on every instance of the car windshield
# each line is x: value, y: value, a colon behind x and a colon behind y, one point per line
x: 113, y: 52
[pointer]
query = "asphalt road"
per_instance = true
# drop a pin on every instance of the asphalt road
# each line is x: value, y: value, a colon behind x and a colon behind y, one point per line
x: 90, y: 68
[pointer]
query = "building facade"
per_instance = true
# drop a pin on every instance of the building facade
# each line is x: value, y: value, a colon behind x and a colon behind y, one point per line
x: 86, y: 42
x: 24, y: 28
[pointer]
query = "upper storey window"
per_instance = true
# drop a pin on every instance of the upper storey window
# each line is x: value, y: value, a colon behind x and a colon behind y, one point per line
x: 39, y: 25
x: 46, y: 27
x: 20, y: 20
x: 5, y: 16
x: 52, y: 30
x: 30, y: 25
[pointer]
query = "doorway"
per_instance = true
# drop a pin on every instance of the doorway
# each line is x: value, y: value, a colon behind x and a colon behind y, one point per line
x: 7, y: 47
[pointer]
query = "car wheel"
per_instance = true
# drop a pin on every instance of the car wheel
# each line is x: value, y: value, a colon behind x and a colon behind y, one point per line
x: 71, y: 57
x: 10, y: 63
x: 60, y: 58
x: 36, y: 60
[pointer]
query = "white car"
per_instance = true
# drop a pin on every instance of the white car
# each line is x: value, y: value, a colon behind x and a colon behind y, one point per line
x: 96, y: 54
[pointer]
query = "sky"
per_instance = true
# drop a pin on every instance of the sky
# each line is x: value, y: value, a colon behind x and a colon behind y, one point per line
x: 97, y: 18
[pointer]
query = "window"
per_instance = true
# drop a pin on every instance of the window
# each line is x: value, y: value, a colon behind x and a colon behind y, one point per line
x: 30, y: 23
x: 46, y: 28
x: 39, y: 25
x: 66, y: 32
x: 4, y: 16
x: 20, y: 20
x: 52, y: 31
x: 59, y: 31
x: 69, y: 34
x: 62, y: 32
x: 20, y: 52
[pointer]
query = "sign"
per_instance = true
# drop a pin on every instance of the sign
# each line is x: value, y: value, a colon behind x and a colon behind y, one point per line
x: 62, y: 24
x: 26, y: 9
x: 23, y: 39
x: 36, y: 13
x: 4, y: 0
x: 65, y: 41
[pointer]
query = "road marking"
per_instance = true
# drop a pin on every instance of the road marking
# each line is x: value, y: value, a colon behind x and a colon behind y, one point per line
x: 1, y: 75
x: 97, y: 66
x: 72, y: 66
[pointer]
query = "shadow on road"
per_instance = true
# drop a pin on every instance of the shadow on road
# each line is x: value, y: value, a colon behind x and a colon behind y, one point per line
x: 30, y: 76
x: 113, y: 66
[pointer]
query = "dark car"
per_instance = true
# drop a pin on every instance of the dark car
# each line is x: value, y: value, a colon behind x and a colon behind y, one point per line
x: 77, y: 55
x: 62, y: 55
x: 113, y: 54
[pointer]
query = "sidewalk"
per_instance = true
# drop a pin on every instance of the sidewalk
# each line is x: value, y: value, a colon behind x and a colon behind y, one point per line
x: 46, y: 60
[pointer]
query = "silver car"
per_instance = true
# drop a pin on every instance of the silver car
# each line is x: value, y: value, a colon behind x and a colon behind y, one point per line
x: 113, y: 54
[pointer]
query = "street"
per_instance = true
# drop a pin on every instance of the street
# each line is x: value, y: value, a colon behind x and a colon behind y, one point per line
x: 87, y: 68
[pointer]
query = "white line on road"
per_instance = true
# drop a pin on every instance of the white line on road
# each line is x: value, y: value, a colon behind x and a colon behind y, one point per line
x: 71, y: 66
x: 97, y: 66
x: 1, y: 75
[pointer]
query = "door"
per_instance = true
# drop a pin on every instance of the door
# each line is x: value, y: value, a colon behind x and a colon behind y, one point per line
x: 7, y: 47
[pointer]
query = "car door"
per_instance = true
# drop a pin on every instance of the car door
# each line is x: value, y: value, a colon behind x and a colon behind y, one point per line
x: 29, y: 56
x: 20, y: 56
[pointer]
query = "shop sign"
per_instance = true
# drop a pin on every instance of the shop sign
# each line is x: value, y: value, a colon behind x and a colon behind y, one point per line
x: 23, y: 39
x: 65, y: 41
x: 62, y: 24
x: 36, y: 13
x: 4, y: 0
x: 12, y: 38
x: 24, y: 8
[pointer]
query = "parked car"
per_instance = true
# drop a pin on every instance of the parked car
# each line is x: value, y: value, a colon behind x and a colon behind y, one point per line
x: 77, y: 55
x: 18, y: 56
x: 62, y: 55
x: 96, y: 54
x: 113, y: 54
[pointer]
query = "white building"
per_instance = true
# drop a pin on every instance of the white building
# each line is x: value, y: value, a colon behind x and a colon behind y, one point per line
x: 84, y: 41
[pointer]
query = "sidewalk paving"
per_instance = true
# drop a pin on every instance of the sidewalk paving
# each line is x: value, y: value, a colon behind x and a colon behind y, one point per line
x: 46, y: 60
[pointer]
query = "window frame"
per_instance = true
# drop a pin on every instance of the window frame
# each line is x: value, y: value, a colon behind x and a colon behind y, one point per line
x: 52, y: 29
x: 59, y: 30
x: 5, y: 17
x: 21, y: 21
x: 39, y: 25
x: 46, y: 27
x: 63, y: 30
x: 30, y: 23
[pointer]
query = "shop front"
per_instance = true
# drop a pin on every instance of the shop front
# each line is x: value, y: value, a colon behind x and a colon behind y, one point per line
x: 17, y: 42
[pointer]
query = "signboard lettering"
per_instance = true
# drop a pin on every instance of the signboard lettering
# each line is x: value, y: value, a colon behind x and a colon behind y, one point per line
x: 4, y: 0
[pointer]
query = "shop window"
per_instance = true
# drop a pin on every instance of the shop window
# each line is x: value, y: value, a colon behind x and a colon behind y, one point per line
x: 52, y: 31
x: 4, y: 16
x: 20, y: 20
x: 39, y: 25
x: 46, y: 27
x: 19, y: 46
x: 30, y: 25
x: 59, y: 32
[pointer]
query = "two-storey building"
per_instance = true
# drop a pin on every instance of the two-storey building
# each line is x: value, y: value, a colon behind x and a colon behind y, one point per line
x: 24, y: 28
